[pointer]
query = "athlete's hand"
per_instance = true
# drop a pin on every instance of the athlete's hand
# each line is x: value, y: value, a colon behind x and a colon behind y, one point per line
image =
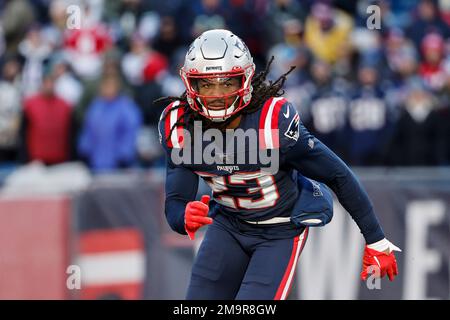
x: 383, y: 258
x: 196, y: 216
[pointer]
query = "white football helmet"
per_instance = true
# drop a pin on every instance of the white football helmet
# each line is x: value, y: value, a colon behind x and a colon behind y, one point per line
x: 218, y: 54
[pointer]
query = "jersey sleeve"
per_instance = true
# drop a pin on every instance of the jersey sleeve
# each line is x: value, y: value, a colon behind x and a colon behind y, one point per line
x: 288, y: 120
x: 316, y: 161
x: 171, y: 137
x: 181, y: 188
x: 279, y: 125
x: 181, y: 183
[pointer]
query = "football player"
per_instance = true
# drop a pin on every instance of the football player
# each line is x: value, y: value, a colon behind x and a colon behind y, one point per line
x: 258, y: 219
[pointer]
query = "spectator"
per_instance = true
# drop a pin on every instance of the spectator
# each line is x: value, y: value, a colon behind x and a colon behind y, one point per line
x: 155, y: 65
x: 86, y: 48
x: 432, y: 68
x: 401, y: 62
x: 291, y: 52
x: 369, y: 120
x: 53, y: 32
x: 325, y: 110
x: 66, y: 85
x: 327, y: 31
x: 444, y: 7
x: 249, y: 21
x: 277, y: 13
x: 132, y: 16
x: 414, y: 142
x: 427, y: 20
x: 168, y: 39
x: 46, y: 126
x: 154, y: 70
x: 36, y: 53
x: 395, y: 14
x: 16, y: 18
x: 134, y: 61
x: 109, y: 134
x: 110, y: 67
x: 400, y: 53
x: 209, y: 14
x: 10, y: 111
x: 171, y: 83
x: 141, y: 41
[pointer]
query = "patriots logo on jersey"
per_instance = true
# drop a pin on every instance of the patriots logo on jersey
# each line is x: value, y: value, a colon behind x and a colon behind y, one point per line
x: 292, y: 131
x: 229, y: 169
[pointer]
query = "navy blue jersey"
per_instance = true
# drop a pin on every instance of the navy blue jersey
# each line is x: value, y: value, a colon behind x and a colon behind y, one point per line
x: 248, y: 190
x: 326, y: 113
x: 369, y: 126
x: 241, y: 188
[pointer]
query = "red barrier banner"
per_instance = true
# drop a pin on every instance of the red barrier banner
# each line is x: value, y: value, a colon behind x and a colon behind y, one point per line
x: 34, y: 255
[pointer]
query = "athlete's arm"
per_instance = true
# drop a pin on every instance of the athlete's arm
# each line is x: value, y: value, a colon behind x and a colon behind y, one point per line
x: 181, y: 183
x: 181, y: 188
x: 314, y: 160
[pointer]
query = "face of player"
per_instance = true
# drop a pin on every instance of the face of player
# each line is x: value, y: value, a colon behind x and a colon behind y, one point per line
x: 218, y: 87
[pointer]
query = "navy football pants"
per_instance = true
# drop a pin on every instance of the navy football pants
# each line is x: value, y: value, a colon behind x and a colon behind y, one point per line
x: 234, y: 265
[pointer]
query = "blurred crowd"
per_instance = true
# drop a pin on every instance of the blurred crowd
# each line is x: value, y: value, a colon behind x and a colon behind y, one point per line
x: 377, y: 97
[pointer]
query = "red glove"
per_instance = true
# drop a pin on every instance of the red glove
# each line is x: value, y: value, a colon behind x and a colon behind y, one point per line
x: 196, y: 216
x: 385, y: 262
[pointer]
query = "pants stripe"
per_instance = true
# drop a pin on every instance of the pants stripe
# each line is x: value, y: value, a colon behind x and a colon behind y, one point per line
x: 286, y: 282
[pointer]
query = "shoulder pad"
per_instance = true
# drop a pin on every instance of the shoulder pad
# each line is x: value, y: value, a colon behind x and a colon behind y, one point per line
x: 278, y: 124
x: 171, y: 114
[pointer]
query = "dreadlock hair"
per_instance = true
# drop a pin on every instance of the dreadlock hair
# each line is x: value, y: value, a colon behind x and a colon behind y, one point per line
x: 262, y: 90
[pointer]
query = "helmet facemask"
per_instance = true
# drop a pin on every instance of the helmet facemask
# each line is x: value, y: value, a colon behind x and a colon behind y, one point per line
x: 217, y: 107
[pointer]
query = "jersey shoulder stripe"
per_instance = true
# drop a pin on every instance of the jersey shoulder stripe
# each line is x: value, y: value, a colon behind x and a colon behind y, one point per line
x: 172, y: 115
x: 268, y: 123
